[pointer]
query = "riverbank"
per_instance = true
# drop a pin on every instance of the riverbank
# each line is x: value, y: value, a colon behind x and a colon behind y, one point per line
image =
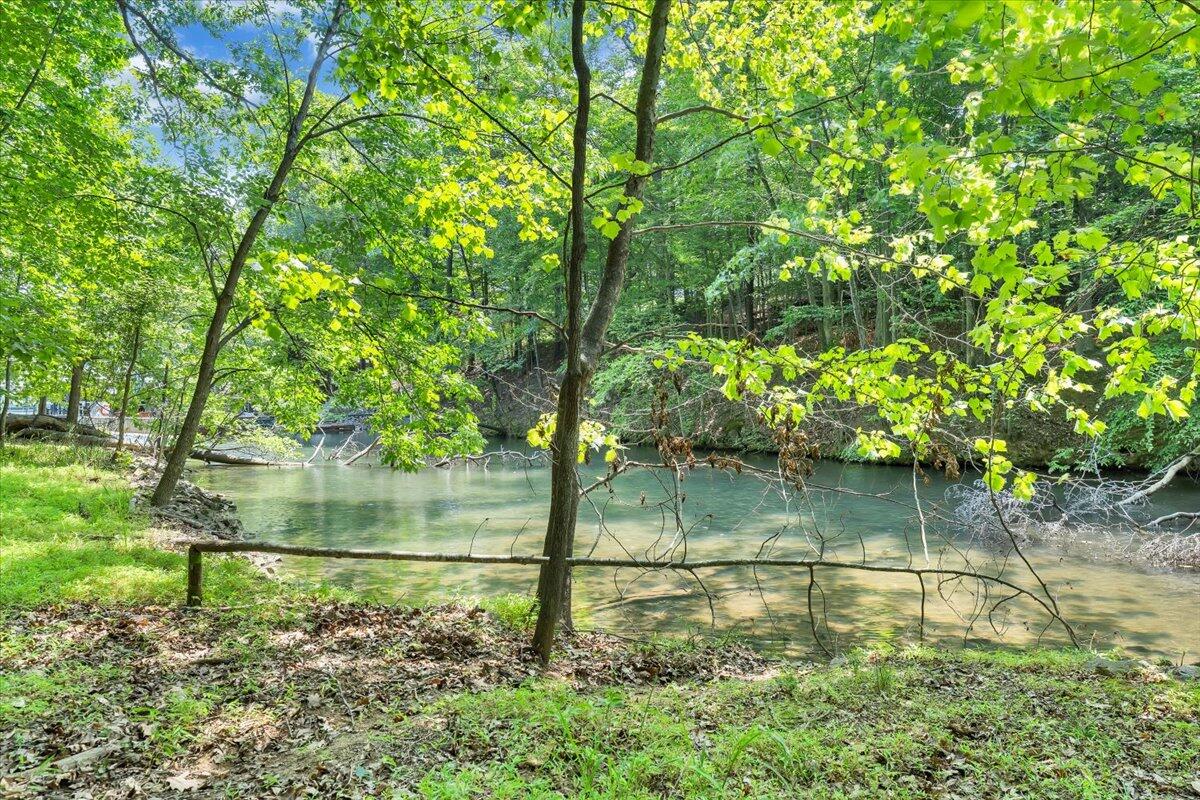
x: 627, y: 394
x: 277, y: 689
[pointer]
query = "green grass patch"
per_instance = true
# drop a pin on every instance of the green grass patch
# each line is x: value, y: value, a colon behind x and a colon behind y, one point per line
x: 516, y: 611
x: 69, y: 534
x: 913, y: 724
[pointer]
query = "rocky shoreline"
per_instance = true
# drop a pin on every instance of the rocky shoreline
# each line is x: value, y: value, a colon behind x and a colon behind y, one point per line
x: 192, y: 510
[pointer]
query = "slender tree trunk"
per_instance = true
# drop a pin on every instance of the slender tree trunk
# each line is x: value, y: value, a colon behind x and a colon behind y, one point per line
x: 43, y: 406
x: 75, y: 396
x: 214, y: 339
x: 860, y: 318
x: 162, y: 414
x: 969, y: 310
x: 748, y: 301
x: 883, y: 318
x: 564, y: 488
x: 137, y: 343
x: 826, y: 313
x: 584, y: 344
x: 7, y: 390
x: 811, y: 295
x: 213, y: 342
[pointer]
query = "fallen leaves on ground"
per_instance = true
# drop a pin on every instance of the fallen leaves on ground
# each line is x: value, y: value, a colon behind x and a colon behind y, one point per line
x: 215, y: 702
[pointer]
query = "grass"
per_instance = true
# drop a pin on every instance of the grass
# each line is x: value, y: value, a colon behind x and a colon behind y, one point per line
x: 68, y: 534
x: 115, y: 665
x: 912, y: 724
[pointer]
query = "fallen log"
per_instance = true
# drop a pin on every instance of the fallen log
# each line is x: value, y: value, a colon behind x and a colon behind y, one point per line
x: 17, y: 423
x: 88, y: 436
x: 196, y: 550
x: 70, y: 437
x: 1163, y: 480
x: 72, y: 762
x: 226, y: 457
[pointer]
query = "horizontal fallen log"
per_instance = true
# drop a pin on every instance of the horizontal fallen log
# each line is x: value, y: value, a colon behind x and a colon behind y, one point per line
x: 18, y: 423
x: 80, y: 436
x: 49, y: 435
x: 369, y: 555
x: 485, y: 459
x: 197, y: 549
x: 228, y: 458
x: 577, y: 561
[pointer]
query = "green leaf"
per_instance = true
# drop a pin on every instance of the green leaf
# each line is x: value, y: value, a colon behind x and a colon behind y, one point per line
x: 967, y: 12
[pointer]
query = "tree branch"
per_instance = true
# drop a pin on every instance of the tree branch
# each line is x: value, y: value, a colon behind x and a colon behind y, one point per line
x: 37, y: 71
x: 520, y: 312
x: 184, y: 56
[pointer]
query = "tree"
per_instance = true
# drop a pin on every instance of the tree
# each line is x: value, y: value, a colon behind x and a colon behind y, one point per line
x: 63, y: 135
x: 300, y: 126
x: 586, y: 336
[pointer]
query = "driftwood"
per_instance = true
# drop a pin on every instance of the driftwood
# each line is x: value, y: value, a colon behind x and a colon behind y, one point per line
x: 1167, y: 476
x: 316, y: 452
x: 363, y: 452
x: 1169, y: 517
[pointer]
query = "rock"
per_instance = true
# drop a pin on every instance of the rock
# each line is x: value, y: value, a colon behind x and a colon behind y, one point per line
x: 192, y: 509
x: 1114, y: 667
x: 1188, y: 672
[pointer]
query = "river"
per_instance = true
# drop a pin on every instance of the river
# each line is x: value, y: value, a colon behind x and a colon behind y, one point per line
x: 501, y: 509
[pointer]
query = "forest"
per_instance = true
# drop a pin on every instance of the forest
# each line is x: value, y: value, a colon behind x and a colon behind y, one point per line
x: 580, y: 398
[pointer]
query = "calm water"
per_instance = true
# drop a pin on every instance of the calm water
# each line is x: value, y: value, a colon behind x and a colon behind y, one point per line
x: 501, y: 509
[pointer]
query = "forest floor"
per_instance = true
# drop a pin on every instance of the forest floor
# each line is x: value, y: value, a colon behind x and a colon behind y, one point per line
x: 109, y: 689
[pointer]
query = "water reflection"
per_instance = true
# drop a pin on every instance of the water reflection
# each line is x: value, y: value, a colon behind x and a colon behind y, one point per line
x: 502, y: 508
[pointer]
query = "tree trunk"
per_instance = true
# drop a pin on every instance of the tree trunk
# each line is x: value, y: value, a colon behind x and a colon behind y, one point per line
x: 883, y: 318
x: 161, y: 441
x: 748, y: 301
x: 4, y: 403
x: 860, y: 318
x: 826, y: 313
x: 584, y: 344
x: 969, y: 311
x: 74, y: 398
x: 137, y: 343
x: 43, y: 405
x: 184, y: 442
x: 564, y: 489
x: 214, y: 339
